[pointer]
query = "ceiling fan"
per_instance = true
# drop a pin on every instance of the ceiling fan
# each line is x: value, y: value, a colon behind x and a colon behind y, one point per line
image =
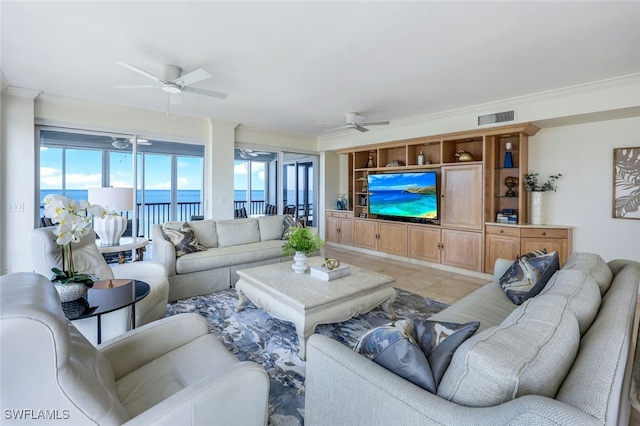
x: 356, y: 121
x: 122, y: 143
x: 247, y: 154
x: 174, y: 82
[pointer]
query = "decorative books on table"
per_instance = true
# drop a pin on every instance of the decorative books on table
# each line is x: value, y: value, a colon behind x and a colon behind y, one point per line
x: 325, y: 274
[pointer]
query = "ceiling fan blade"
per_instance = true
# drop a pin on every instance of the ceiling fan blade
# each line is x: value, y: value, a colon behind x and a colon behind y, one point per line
x: 335, y: 128
x: 375, y: 123
x: 205, y: 92
x: 192, y: 77
x: 134, y: 86
x: 360, y: 128
x: 141, y: 72
x: 175, y: 98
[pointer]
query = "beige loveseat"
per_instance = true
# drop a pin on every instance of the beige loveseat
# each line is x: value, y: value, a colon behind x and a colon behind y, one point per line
x: 231, y: 245
x: 561, y: 358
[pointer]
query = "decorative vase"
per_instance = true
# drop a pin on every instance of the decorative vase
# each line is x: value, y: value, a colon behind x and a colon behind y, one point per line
x: 71, y: 291
x: 299, y: 263
x: 536, y: 207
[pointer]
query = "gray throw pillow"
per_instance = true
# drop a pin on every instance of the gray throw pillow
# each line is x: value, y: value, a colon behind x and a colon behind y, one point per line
x: 527, y: 276
x: 183, y: 239
x: 289, y: 224
x: 417, y: 350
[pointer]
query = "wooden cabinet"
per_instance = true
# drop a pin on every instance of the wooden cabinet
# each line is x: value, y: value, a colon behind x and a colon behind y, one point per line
x: 500, y: 242
x: 366, y: 234
x: 424, y: 243
x: 392, y: 238
x: 339, y: 226
x: 511, y: 241
x: 471, y: 194
x: 550, y: 239
x: 462, y: 249
x: 383, y: 236
x: 462, y: 197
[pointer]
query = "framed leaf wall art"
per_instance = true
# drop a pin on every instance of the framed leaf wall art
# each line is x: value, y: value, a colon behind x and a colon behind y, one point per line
x: 626, y: 183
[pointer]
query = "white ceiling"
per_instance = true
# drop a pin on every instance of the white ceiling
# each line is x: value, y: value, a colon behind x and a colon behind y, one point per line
x: 289, y: 65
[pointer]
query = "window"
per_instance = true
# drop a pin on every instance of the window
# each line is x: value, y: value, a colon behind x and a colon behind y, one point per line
x: 256, y: 183
x: 169, y: 178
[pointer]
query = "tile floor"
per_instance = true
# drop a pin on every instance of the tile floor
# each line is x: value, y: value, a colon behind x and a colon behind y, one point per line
x: 444, y: 286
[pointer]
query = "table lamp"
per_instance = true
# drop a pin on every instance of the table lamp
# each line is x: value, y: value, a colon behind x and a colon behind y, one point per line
x: 114, y: 200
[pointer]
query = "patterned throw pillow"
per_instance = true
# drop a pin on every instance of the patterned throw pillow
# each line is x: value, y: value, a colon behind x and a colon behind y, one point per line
x: 527, y: 276
x: 183, y: 239
x: 289, y: 225
x: 417, y: 350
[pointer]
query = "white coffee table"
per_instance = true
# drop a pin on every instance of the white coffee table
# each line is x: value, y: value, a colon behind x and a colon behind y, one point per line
x: 307, y: 301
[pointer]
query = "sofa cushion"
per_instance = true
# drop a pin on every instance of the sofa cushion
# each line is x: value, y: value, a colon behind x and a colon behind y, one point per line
x: 530, y: 353
x: 205, y: 231
x: 582, y: 292
x: 595, y: 265
x: 228, y: 256
x: 271, y: 227
x: 417, y: 350
x: 183, y: 239
x: 488, y: 304
x: 237, y: 231
x: 528, y: 275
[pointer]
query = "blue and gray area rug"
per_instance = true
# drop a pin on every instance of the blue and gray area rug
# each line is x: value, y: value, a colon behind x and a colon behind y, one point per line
x: 253, y: 335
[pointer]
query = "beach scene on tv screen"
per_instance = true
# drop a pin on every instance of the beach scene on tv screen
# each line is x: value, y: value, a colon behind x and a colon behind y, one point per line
x: 404, y: 195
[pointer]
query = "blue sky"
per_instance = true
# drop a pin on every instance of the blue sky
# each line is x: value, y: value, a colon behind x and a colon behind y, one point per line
x: 84, y: 170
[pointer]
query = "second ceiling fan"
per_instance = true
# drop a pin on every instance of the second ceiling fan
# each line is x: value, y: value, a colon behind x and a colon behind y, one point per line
x: 174, y: 82
x: 356, y: 121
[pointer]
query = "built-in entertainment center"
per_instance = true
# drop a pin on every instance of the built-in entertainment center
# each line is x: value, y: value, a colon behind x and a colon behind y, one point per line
x: 455, y: 199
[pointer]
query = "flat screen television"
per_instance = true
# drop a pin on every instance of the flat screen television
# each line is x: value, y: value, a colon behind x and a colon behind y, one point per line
x: 404, y: 195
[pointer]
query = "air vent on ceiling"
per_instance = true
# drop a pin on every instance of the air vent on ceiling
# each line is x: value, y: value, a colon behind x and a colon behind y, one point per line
x: 498, y: 117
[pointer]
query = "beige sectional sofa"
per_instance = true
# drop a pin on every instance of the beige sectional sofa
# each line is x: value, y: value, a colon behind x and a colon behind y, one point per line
x: 563, y: 357
x: 231, y: 245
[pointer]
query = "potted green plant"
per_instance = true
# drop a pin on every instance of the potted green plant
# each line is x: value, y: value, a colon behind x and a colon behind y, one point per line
x: 73, y: 221
x: 537, y: 191
x: 301, y: 242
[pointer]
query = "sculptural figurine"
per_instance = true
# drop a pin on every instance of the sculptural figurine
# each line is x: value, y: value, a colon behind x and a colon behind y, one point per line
x: 463, y: 155
x: 510, y: 182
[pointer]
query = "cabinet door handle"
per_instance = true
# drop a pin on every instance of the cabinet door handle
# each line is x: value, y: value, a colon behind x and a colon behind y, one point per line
x: 544, y: 234
x: 502, y: 231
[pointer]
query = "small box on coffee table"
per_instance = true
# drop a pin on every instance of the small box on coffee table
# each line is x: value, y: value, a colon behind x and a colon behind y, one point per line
x: 325, y: 274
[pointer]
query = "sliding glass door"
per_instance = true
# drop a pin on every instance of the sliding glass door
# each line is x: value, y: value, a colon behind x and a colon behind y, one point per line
x: 169, y: 178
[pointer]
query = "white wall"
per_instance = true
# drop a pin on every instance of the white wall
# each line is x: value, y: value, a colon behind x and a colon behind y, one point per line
x: 584, y: 155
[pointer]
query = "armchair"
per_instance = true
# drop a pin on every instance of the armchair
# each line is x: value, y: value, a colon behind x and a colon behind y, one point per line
x: 45, y: 254
x: 168, y: 372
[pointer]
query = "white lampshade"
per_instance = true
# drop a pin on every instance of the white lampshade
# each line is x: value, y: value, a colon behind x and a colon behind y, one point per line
x: 112, y: 199
x: 111, y: 227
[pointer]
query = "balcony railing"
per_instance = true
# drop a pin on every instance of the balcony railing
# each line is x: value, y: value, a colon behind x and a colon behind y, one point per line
x: 152, y: 213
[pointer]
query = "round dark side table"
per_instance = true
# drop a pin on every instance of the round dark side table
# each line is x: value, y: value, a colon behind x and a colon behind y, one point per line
x: 107, y: 296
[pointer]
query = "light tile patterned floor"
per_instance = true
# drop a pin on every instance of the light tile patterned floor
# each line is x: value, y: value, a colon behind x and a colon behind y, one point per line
x: 437, y: 284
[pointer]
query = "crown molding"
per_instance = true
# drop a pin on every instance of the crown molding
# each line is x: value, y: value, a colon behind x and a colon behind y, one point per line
x: 22, y: 92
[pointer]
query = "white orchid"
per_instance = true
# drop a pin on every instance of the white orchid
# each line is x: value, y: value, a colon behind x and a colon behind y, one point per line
x: 73, y: 221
